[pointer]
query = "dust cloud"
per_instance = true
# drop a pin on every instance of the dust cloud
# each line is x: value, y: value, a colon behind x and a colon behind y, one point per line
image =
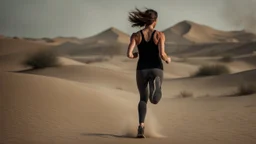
x: 240, y: 14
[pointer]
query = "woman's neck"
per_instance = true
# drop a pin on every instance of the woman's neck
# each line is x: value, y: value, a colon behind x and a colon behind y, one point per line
x: 150, y: 27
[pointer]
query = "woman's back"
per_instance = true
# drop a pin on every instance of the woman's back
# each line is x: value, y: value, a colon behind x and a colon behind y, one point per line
x: 148, y: 51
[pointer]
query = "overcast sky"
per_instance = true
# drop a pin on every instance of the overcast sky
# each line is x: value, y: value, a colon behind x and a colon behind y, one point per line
x: 83, y: 18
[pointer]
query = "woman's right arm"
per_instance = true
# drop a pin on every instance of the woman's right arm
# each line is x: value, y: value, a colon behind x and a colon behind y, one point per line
x: 131, y: 46
x: 161, y: 47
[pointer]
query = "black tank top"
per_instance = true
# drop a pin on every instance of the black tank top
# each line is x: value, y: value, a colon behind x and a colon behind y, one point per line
x: 148, y: 54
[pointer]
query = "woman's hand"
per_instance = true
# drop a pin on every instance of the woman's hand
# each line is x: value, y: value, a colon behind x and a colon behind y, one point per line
x: 133, y: 55
x: 168, y: 60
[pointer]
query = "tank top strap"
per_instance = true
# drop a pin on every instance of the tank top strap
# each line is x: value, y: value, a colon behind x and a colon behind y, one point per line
x: 142, y: 35
x: 152, y: 36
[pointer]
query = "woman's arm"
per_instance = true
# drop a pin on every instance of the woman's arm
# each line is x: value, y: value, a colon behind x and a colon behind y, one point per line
x: 131, y: 47
x: 161, y: 47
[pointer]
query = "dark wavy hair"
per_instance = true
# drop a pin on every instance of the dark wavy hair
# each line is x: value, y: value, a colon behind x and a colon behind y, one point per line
x: 140, y: 18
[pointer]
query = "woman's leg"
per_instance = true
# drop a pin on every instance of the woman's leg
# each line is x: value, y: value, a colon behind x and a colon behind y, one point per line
x: 156, y: 85
x: 142, y: 82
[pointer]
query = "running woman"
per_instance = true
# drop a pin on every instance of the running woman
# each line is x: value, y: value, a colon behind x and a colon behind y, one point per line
x: 151, y: 51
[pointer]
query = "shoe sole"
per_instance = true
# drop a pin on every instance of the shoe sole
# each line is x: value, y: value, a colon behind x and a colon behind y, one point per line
x: 141, y: 136
x: 140, y: 133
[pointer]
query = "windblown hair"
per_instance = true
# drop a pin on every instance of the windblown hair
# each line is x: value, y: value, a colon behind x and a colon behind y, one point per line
x: 140, y: 18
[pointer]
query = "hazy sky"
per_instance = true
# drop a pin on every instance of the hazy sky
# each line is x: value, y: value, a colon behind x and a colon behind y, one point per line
x: 83, y: 18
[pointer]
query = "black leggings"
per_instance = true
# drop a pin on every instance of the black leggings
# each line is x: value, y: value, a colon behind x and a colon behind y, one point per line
x: 143, y: 77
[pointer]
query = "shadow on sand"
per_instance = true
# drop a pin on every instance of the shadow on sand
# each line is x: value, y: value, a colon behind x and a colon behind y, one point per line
x: 106, y: 135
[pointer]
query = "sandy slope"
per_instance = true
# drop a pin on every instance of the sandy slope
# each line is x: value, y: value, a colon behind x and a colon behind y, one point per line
x: 124, y: 65
x: 251, y: 59
x: 14, y: 61
x: 62, y: 40
x: 39, y: 109
x: 218, y: 49
x: 208, y: 120
x: 50, y: 106
x: 92, y: 48
x: 109, y: 42
x: 93, y: 75
x: 68, y: 61
x: 14, y: 51
x: 43, y: 109
x: 209, y: 86
x: 239, y: 64
x: 8, y: 46
x: 102, y: 76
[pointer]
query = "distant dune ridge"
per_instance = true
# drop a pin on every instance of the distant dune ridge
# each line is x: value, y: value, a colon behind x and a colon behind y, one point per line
x: 109, y: 42
x: 185, y: 34
x: 188, y: 31
x: 92, y: 97
x: 67, y: 39
x: 110, y: 34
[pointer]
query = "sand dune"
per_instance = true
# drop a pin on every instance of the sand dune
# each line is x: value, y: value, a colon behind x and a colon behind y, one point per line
x: 50, y: 105
x: 251, y: 59
x: 43, y: 109
x: 248, y: 48
x: 183, y: 39
x: 125, y: 65
x: 67, y: 61
x: 210, y: 50
x: 14, y: 61
x: 8, y: 46
x: 197, y: 33
x: 111, y: 34
x: 207, y: 120
x: 93, y: 75
x: 175, y: 34
x: 103, y: 49
x: 109, y: 42
x: 62, y: 40
x: 44, y: 41
x: 203, y: 49
x: 209, y: 86
x: 110, y: 73
x: 237, y: 64
x: 66, y: 48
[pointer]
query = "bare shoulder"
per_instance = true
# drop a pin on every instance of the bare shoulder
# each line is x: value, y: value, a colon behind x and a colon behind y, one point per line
x: 159, y: 34
x: 136, y: 36
x: 137, y: 33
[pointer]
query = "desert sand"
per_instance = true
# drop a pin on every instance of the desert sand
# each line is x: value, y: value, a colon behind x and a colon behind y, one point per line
x: 92, y: 97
